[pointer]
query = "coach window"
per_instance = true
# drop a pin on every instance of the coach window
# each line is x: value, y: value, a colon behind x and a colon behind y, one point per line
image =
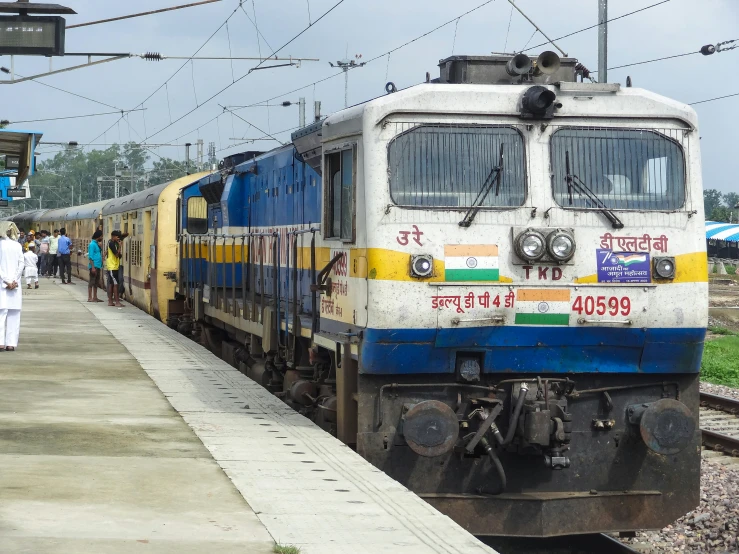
x: 197, y: 215
x: 340, y: 195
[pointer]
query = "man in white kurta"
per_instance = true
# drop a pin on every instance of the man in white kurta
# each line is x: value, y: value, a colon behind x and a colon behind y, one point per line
x: 11, y: 271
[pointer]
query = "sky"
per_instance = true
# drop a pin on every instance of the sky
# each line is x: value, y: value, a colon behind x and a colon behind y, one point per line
x: 190, y: 106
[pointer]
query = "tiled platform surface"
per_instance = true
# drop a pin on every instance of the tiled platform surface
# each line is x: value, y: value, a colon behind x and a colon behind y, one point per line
x: 306, y: 487
x: 93, y: 459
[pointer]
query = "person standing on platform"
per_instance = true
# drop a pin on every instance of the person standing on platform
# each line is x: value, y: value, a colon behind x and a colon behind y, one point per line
x: 11, y: 271
x: 64, y: 255
x: 31, y: 239
x: 112, y: 265
x: 53, y: 248
x: 31, y: 265
x: 95, y: 265
x: 43, y: 253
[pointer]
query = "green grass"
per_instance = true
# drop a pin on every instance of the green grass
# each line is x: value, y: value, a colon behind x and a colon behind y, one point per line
x: 721, y: 331
x: 286, y: 549
x: 730, y: 269
x: 721, y: 361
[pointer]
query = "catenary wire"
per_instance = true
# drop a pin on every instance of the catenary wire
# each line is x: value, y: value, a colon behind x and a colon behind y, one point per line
x: 71, y: 117
x: 712, y: 99
x: 510, y: 18
x: 599, y: 24
x: 71, y: 93
x: 293, y: 39
x: 335, y: 75
x: 189, y: 60
x: 259, y: 33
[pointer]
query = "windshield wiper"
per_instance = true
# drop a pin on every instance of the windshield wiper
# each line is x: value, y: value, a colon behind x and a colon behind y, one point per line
x: 494, y: 177
x: 574, y: 182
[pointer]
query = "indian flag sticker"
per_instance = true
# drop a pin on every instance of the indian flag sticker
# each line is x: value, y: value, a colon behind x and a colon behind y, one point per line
x: 542, y: 307
x: 470, y: 262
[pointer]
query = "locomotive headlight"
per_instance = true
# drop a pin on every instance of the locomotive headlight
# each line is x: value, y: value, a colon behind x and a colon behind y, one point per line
x: 561, y: 245
x: 422, y: 266
x: 530, y: 245
x: 664, y: 268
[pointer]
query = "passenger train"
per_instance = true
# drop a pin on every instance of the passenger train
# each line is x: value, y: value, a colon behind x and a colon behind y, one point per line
x: 493, y: 285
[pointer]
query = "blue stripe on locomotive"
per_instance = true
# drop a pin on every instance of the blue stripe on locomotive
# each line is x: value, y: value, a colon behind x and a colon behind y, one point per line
x: 534, y: 350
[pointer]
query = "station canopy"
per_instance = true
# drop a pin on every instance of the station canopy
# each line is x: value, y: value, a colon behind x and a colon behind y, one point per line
x: 715, y: 230
x: 20, y: 145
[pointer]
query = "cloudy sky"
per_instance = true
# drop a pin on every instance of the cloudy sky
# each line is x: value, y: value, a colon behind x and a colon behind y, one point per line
x: 182, y: 112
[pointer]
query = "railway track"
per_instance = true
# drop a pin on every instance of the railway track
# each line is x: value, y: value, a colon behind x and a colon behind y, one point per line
x: 571, y: 544
x: 719, y: 423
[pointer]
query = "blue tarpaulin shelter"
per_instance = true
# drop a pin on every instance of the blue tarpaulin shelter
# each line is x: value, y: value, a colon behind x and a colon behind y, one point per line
x: 723, y: 240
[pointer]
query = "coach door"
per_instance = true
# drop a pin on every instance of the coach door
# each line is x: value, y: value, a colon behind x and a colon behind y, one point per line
x: 148, y: 253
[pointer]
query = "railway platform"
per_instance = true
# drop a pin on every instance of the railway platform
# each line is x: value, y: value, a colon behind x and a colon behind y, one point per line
x: 117, y: 434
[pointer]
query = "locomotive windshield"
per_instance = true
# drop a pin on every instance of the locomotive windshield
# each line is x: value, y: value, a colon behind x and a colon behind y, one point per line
x: 446, y: 166
x: 624, y: 169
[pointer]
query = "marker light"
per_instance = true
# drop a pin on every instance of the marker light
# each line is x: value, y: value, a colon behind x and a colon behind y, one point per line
x: 422, y: 266
x: 530, y: 245
x: 664, y: 267
x: 561, y: 245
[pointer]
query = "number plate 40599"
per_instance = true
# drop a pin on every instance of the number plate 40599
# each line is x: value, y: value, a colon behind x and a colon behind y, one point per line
x: 610, y: 303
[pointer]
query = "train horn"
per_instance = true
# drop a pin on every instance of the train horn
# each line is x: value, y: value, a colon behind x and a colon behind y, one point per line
x: 547, y: 63
x: 520, y: 64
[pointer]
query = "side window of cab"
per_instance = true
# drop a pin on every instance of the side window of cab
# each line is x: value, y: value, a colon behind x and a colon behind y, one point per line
x: 339, y: 195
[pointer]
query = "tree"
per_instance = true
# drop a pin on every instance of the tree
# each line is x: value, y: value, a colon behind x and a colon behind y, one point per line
x: 166, y: 169
x: 731, y: 199
x: 721, y: 213
x: 712, y: 199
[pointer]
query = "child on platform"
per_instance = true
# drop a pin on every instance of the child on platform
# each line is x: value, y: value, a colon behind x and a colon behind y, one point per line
x: 30, y: 260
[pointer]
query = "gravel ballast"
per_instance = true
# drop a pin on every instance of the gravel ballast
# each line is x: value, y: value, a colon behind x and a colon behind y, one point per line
x: 713, y: 527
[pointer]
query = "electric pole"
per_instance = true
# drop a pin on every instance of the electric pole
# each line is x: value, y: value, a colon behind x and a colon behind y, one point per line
x: 345, y: 65
x: 602, y: 41
x: 212, y: 159
x: 301, y: 109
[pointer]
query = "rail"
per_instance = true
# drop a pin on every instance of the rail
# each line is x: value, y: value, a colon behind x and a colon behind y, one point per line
x: 570, y: 544
x: 715, y: 439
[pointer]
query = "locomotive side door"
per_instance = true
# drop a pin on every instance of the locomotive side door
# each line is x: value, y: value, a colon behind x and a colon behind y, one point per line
x: 343, y: 308
x: 344, y: 234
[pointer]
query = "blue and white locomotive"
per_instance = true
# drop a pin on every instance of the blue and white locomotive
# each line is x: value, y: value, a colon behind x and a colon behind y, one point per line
x: 493, y: 285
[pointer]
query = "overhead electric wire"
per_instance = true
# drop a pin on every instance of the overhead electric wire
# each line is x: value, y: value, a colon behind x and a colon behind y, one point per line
x: 334, y: 75
x: 119, y: 18
x: 293, y: 39
x: 70, y: 93
x: 259, y: 33
x: 188, y: 60
x: 598, y: 24
x: 650, y: 61
x: 428, y: 32
x: 669, y: 57
x: 175, y: 73
x: 712, y: 99
x: 71, y: 117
